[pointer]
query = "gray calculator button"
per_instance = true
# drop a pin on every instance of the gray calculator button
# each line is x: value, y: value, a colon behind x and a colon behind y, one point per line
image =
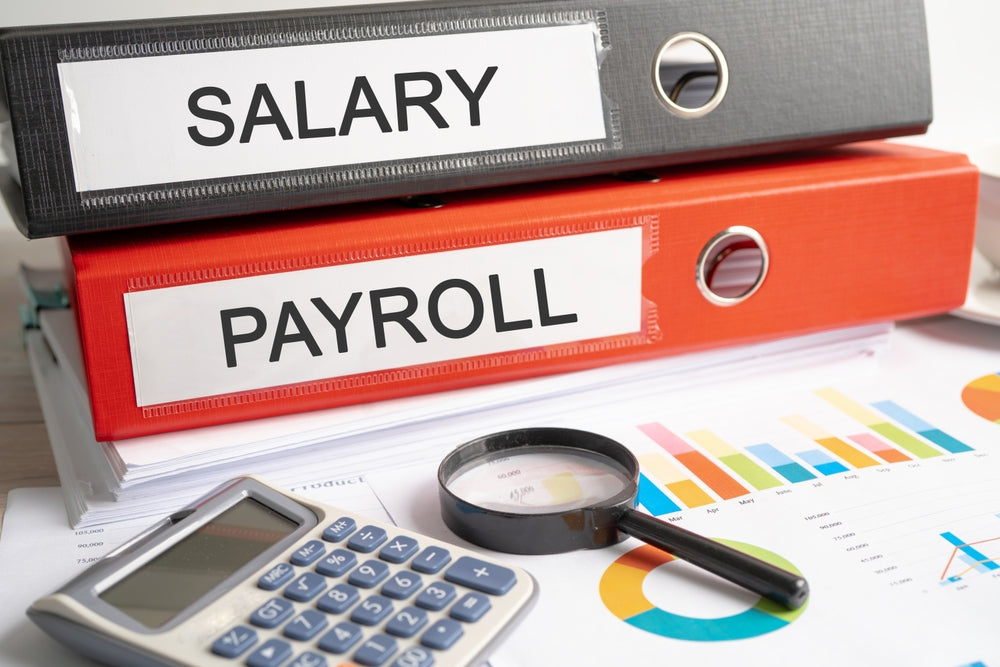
x: 271, y: 653
x: 307, y: 553
x: 276, y: 577
x: 442, y: 635
x: 340, y: 637
x: 338, y: 562
x: 367, y: 539
x: 306, y: 625
x: 375, y: 651
x: 272, y: 613
x: 481, y: 576
x: 305, y: 587
x: 470, y: 608
x: 235, y: 642
x: 308, y: 659
x: 339, y: 599
x: 339, y: 529
x: 415, y: 656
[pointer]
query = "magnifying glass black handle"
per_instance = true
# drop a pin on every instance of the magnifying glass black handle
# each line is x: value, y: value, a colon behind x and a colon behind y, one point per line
x: 784, y: 587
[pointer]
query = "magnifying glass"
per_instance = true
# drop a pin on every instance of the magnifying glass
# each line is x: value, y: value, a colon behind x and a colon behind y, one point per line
x: 553, y: 490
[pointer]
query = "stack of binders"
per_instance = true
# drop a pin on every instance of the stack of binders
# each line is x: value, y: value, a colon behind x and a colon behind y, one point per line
x: 267, y: 214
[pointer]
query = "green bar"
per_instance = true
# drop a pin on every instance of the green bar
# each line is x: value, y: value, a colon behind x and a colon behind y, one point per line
x: 759, y: 478
x: 918, y: 448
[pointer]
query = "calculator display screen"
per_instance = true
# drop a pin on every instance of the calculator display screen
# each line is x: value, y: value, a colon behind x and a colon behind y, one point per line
x: 172, y: 581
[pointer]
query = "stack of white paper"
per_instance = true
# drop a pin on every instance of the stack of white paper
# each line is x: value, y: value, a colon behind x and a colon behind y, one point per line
x: 149, y: 475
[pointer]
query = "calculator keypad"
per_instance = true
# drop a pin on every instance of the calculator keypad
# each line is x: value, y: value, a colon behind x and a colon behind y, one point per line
x: 362, y: 594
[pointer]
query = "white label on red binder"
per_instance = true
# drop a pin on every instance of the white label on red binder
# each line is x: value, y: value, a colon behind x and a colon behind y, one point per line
x: 242, y: 334
x: 185, y: 117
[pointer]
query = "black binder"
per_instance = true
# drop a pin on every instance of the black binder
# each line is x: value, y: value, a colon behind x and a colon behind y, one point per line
x: 134, y: 123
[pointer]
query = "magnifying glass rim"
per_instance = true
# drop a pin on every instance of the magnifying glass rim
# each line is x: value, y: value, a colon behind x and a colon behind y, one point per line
x: 541, y: 439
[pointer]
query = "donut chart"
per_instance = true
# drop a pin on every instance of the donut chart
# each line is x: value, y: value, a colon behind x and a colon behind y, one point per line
x: 621, y: 592
x: 982, y: 396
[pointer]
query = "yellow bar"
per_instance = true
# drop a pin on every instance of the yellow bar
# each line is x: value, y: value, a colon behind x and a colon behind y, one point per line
x: 845, y: 451
x: 690, y: 493
x: 806, y: 427
x: 713, y: 443
x: 849, y: 407
x: 661, y: 468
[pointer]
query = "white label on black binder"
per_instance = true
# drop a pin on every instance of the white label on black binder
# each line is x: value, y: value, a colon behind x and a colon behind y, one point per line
x: 175, y: 118
x: 244, y: 334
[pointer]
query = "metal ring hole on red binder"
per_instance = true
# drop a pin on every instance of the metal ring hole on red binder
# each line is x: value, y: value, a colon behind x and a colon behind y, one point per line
x: 732, y: 266
x: 690, y: 74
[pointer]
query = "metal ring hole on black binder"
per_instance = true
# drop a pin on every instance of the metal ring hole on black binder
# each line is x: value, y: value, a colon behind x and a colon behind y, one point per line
x: 690, y: 74
x: 732, y: 266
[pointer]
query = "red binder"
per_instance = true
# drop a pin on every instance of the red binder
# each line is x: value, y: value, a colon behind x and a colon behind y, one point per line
x: 188, y: 325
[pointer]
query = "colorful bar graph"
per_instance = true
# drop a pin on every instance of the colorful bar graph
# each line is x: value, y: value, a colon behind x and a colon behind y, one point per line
x: 780, y: 463
x: 876, y: 423
x: 822, y: 462
x: 915, y: 423
x: 879, y: 448
x: 700, y: 465
x: 740, y: 463
x: 655, y: 501
x: 675, y: 480
x: 831, y: 443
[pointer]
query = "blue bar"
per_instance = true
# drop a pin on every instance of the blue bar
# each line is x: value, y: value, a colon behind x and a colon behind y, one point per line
x: 781, y: 464
x: 976, y: 555
x: 820, y: 460
x: 915, y: 423
x: 655, y: 501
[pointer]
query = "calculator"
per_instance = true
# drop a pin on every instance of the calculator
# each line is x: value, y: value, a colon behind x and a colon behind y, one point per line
x: 252, y: 575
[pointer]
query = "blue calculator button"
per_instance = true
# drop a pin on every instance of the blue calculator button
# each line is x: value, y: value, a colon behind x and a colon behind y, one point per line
x: 308, y: 659
x: 337, y: 562
x: 402, y: 585
x: 306, y: 625
x: 436, y: 596
x: 339, y: 599
x: 481, y: 576
x: 415, y: 656
x: 272, y: 613
x: 399, y: 549
x: 276, y: 577
x: 470, y: 608
x: 367, y: 539
x: 339, y: 529
x: 406, y: 622
x: 372, y: 610
x: 369, y: 574
x: 443, y: 634
x: 307, y: 553
x: 340, y: 637
x: 375, y: 651
x: 431, y: 560
x: 271, y: 653
x: 305, y: 587
x: 235, y: 642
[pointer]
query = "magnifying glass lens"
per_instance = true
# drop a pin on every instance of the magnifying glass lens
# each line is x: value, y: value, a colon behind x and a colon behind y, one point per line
x: 539, y: 479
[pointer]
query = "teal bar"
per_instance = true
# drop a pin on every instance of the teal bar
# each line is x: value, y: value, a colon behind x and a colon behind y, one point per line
x: 819, y: 460
x: 780, y: 463
x: 915, y: 423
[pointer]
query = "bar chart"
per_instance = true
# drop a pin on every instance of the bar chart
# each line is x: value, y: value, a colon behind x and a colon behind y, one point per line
x: 697, y: 467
